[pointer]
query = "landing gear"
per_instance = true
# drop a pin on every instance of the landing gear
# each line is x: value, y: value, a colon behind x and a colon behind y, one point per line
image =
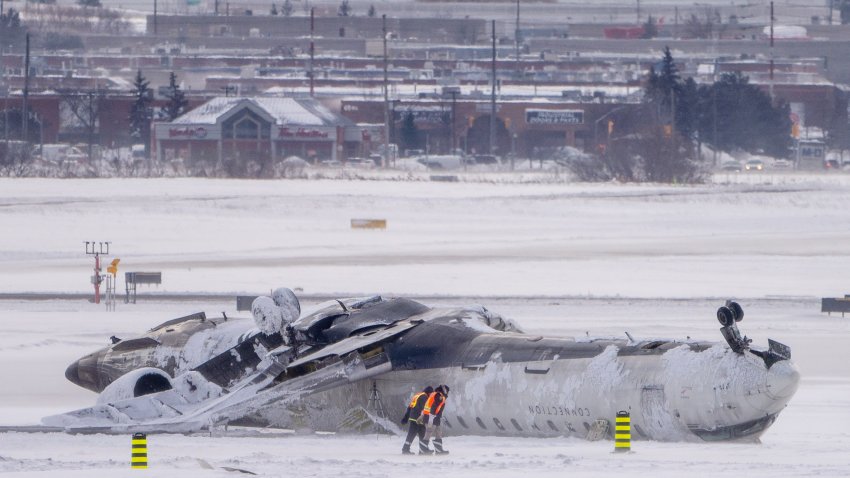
x: 728, y: 316
x: 730, y: 313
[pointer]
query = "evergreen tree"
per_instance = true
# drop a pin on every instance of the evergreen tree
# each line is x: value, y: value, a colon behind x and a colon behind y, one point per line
x: 286, y: 8
x: 650, y: 28
x: 176, y: 100
x: 11, y: 30
x: 372, y: 12
x: 140, y: 111
x: 664, y: 82
x: 15, y: 126
x: 688, y: 111
x: 274, y: 9
x: 89, y: 3
x: 409, y: 132
x: 344, y: 9
x: 746, y: 117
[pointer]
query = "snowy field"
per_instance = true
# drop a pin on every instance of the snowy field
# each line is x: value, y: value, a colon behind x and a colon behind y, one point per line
x: 561, y: 259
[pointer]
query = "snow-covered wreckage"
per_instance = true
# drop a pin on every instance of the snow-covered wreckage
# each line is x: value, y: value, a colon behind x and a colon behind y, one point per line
x: 310, y: 371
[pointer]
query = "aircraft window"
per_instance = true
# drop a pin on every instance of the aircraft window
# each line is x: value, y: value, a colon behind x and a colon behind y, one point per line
x: 552, y: 425
x: 535, y: 339
x: 586, y: 426
x: 480, y: 422
x: 446, y: 421
x: 498, y: 423
x: 462, y: 423
x: 534, y: 426
x: 638, y: 430
x: 515, y: 424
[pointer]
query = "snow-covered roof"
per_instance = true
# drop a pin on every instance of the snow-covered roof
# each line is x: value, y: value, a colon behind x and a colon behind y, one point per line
x: 283, y: 111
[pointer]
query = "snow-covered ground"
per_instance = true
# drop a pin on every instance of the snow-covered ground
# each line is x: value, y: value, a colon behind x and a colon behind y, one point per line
x: 572, y: 259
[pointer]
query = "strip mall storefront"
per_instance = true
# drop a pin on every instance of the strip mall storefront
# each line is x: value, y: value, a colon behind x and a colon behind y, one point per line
x: 246, y: 131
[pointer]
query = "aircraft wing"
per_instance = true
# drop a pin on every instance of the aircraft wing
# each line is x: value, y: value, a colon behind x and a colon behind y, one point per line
x: 282, y: 380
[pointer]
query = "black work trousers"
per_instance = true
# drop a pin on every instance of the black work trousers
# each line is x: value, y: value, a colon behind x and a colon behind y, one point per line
x: 413, y: 431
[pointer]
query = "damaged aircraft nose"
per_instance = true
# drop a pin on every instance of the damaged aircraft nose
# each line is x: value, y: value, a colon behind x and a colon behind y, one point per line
x: 83, y: 372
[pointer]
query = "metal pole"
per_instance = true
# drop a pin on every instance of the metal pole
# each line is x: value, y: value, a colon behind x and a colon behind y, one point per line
x: 714, y: 115
x: 312, y: 49
x: 676, y: 30
x: 25, y: 114
x: 516, y: 38
x: 386, y: 97
x: 771, y: 50
x: 97, y: 278
x: 454, y: 120
x: 155, y: 29
x: 493, y: 94
x: 5, y: 98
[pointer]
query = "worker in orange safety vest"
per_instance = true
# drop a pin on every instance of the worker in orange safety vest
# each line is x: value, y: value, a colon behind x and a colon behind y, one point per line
x: 433, y: 413
x: 413, y: 417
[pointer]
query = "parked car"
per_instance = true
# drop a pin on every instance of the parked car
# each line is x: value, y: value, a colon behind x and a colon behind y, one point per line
x: 362, y: 163
x: 754, y: 165
x: 446, y: 161
x: 60, y: 153
x: 484, y: 159
x: 782, y: 163
x: 732, y: 166
x: 831, y: 164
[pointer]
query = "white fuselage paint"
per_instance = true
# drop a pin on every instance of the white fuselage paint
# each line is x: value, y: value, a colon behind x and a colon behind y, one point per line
x: 667, y: 394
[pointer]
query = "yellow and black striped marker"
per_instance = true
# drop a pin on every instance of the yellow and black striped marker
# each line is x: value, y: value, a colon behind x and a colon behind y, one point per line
x: 623, y: 432
x: 139, y: 457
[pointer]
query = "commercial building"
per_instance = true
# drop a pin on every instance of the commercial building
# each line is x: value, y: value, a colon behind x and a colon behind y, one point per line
x: 261, y: 129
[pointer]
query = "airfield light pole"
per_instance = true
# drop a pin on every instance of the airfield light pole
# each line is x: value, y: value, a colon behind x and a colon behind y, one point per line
x: 96, y: 249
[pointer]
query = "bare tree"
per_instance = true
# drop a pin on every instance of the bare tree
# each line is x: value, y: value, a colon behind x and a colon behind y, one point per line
x: 705, y: 26
x: 80, y: 111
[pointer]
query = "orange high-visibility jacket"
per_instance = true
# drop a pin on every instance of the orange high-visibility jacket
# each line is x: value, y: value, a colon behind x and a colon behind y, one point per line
x: 434, y: 405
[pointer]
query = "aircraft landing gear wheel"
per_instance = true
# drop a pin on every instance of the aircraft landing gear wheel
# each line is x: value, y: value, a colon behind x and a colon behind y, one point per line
x: 737, y: 311
x: 725, y: 316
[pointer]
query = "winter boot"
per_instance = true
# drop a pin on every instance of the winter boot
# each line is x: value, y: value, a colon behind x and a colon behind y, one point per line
x: 424, y: 449
x: 406, y: 451
x: 438, y: 447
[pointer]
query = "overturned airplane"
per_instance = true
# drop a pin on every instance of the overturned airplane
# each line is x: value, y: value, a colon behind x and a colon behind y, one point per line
x: 307, y: 372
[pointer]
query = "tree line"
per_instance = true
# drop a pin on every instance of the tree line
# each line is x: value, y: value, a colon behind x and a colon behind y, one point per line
x: 662, y: 138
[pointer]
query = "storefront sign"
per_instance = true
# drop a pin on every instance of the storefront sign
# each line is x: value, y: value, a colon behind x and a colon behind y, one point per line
x: 304, y: 134
x: 423, y: 114
x: 554, y: 116
x: 187, y: 132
